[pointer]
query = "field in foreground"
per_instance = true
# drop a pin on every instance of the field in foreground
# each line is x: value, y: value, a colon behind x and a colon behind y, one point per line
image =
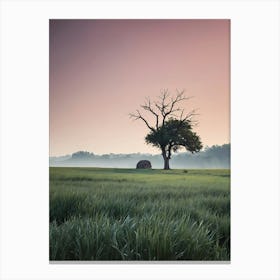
x: 129, y: 214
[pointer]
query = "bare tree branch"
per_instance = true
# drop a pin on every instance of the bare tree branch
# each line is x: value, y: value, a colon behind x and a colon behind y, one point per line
x: 165, y: 107
x: 189, y: 115
x: 148, y: 107
x: 161, y: 104
x: 139, y: 116
x: 179, y: 97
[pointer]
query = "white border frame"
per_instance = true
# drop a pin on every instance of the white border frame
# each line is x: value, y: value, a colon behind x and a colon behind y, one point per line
x: 254, y: 138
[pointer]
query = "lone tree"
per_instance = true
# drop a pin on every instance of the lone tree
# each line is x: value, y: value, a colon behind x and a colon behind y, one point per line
x: 172, y: 129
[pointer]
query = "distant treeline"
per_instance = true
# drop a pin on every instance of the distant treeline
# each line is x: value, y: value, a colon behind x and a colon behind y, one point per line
x: 211, y: 157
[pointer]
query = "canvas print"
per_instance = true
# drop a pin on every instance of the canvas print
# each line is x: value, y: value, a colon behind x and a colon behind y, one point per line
x: 139, y: 140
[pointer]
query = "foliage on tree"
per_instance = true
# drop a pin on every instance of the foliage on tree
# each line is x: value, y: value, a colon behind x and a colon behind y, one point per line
x: 173, y: 128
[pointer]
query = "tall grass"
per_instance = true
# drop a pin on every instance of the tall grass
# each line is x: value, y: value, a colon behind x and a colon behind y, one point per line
x: 125, y: 214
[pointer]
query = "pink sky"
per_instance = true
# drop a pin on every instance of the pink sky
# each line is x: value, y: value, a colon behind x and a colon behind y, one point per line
x: 102, y: 70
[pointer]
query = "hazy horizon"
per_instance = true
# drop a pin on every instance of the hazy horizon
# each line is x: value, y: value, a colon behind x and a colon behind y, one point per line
x: 155, y: 152
x: 102, y: 70
x: 213, y: 157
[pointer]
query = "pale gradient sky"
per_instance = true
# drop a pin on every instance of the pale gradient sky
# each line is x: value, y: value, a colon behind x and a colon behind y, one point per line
x: 101, y: 70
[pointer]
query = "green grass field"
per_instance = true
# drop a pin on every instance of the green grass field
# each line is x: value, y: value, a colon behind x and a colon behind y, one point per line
x: 129, y: 214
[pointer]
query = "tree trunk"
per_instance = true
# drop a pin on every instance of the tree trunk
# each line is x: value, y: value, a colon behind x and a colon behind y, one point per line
x: 166, y: 163
x: 166, y: 160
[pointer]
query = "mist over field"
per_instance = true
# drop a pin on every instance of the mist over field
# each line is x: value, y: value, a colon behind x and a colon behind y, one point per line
x: 211, y: 157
